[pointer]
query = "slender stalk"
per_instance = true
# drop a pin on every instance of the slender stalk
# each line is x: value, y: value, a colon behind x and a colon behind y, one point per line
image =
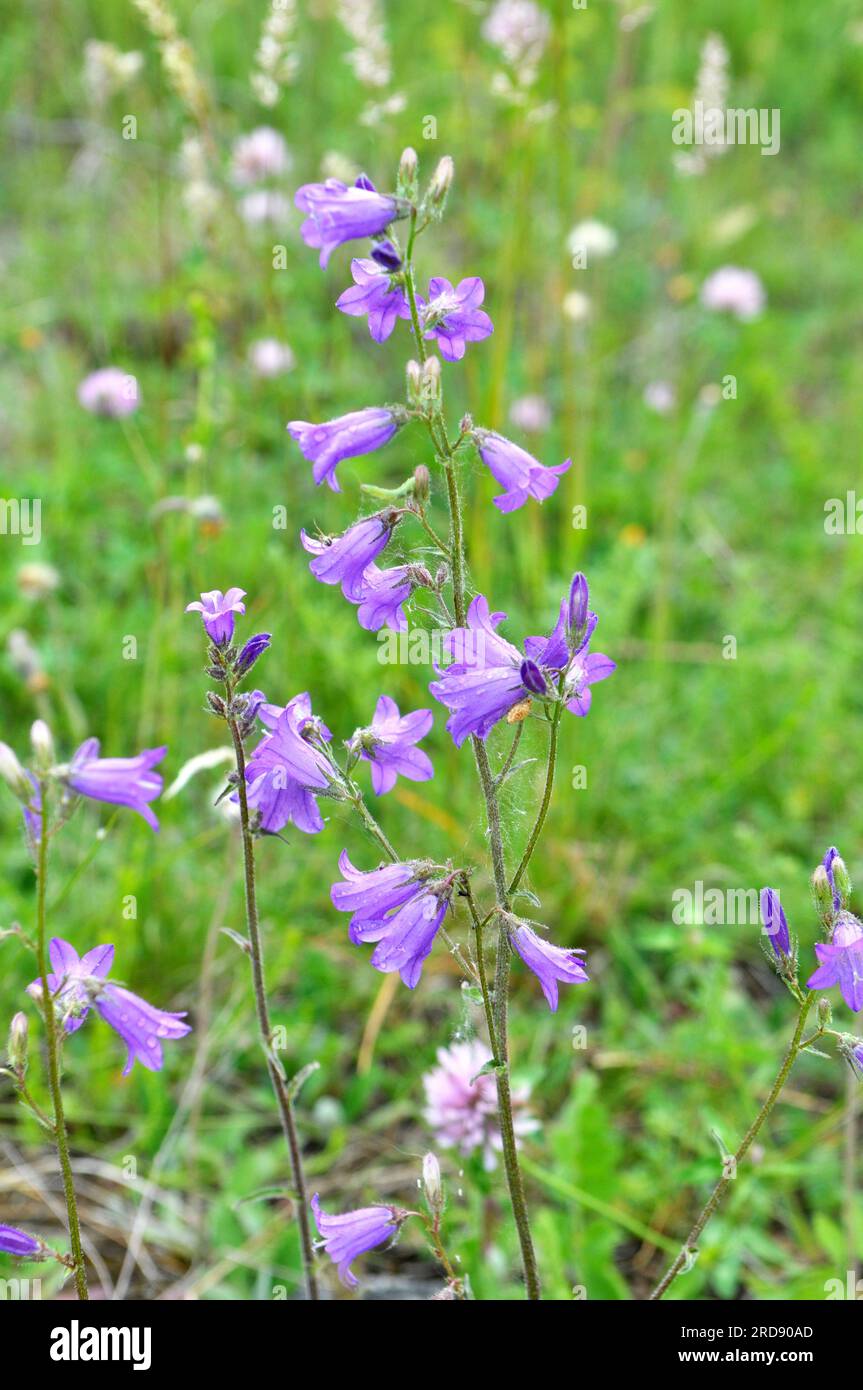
x: 690, y: 1245
x: 544, y: 804
x: 61, y: 1137
x: 279, y: 1083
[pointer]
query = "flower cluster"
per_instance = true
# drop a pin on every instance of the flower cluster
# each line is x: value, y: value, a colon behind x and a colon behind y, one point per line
x: 840, y: 958
x: 461, y: 1102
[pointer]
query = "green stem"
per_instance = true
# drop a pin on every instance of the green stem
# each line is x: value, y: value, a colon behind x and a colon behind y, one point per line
x: 60, y: 1134
x: 546, y: 800
x: 690, y: 1245
x: 279, y: 1083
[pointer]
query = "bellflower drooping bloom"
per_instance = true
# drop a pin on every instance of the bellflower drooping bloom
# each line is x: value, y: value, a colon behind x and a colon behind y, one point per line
x: 489, y: 676
x: 345, y: 559
x: 117, y: 781
x: 347, y: 437
x: 518, y: 472
x: 354, y: 1233
x: 461, y: 1104
x: 550, y: 964
x: 734, y: 291
x: 217, y: 610
x: 15, y: 1242
x: 110, y: 392
x: 406, y: 938
x: 775, y: 923
x: 337, y: 214
x: 388, y: 744
x: 453, y: 316
x: 373, y: 294
x: 288, y: 767
x: 260, y: 155
x: 372, y: 896
x: 841, y: 961
x: 77, y: 983
x: 382, y: 596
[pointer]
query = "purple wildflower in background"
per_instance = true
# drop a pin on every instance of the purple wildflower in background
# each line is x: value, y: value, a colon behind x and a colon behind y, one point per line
x: 518, y: 472
x: 110, y: 392
x: 217, y: 610
x: 345, y: 559
x: 462, y: 1106
x: 381, y: 598
x: 286, y: 769
x: 354, y: 1233
x: 117, y: 781
x: 249, y: 653
x: 15, y: 1242
x: 77, y: 983
x: 453, y: 316
x: 337, y: 214
x: 388, y: 744
x: 550, y: 964
x: 374, y: 295
x: 371, y: 896
x: 841, y: 961
x: 348, y: 436
x: 774, y: 922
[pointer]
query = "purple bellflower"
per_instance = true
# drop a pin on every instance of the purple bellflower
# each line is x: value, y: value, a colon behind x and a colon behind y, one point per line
x: 336, y: 213
x: 518, y: 472
x: 348, y: 436
x: 345, y: 559
x: 388, y: 744
x: 489, y: 676
x: 354, y: 1233
x: 288, y: 767
x: 550, y: 964
x: 382, y: 596
x: 78, y: 983
x: 117, y: 781
x: 453, y: 316
x: 406, y: 939
x: 399, y: 906
x: 373, y: 294
x: 841, y: 961
x: 15, y: 1242
x: 249, y: 653
x: 774, y: 922
x: 217, y: 610
x: 386, y: 256
x: 371, y: 896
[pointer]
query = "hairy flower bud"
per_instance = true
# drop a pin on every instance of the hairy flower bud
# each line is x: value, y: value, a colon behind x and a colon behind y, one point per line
x: 414, y: 374
x: 841, y: 879
x: 14, y: 775
x: 822, y: 892
x: 825, y: 1012
x: 578, y: 601
x: 441, y: 182
x: 249, y: 654
x: 433, y: 1184
x: 17, y: 1046
x: 422, y: 483
x: 431, y: 382
x: 407, y: 180
x: 533, y: 678
x: 386, y: 256
x: 42, y: 742
x: 216, y: 703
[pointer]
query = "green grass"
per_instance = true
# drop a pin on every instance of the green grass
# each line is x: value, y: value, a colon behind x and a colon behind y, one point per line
x: 701, y: 525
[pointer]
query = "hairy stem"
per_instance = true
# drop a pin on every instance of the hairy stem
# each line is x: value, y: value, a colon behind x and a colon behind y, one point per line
x: 61, y: 1137
x: 279, y: 1083
x: 544, y: 804
x: 689, y: 1248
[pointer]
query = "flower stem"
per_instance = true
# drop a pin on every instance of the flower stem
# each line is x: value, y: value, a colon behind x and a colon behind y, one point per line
x: 544, y: 804
x: 59, y: 1127
x: 689, y: 1248
x: 279, y: 1082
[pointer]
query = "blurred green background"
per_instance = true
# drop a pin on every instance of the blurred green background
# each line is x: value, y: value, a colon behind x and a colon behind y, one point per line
x: 705, y: 522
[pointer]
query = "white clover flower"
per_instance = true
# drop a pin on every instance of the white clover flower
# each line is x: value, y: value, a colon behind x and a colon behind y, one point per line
x: 734, y: 291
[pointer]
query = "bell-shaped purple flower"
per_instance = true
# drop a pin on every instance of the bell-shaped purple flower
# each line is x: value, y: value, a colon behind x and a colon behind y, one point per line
x: 287, y: 767
x: 354, y: 1233
x: 774, y: 922
x: 841, y: 961
x: 217, y: 610
x: 337, y: 214
x: 406, y: 938
x: 374, y: 295
x: 117, y: 781
x: 484, y: 681
x: 345, y: 559
x: 550, y: 964
x: 389, y: 745
x: 249, y: 653
x: 348, y: 436
x: 518, y: 472
x: 585, y: 670
x: 453, y: 316
x: 78, y: 983
x: 15, y: 1242
x: 382, y: 596
x: 386, y: 256
x: 372, y: 896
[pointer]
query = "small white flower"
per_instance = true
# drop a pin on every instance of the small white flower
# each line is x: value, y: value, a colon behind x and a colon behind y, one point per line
x: 268, y: 357
x: 735, y: 291
x: 591, y: 240
x: 577, y: 307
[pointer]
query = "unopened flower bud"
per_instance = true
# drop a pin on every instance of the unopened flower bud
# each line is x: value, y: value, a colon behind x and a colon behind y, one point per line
x: 386, y: 256
x: 433, y: 1184
x: 842, y: 879
x: 441, y: 182
x: 822, y: 892
x: 17, y: 1047
x: 249, y: 654
x: 532, y: 678
x: 422, y: 483
x: 42, y: 742
x: 466, y: 424
x: 578, y: 600
x: 414, y: 374
x: 14, y: 775
x: 825, y: 1012
x: 407, y: 181
x: 431, y: 381
x: 216, y: 703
